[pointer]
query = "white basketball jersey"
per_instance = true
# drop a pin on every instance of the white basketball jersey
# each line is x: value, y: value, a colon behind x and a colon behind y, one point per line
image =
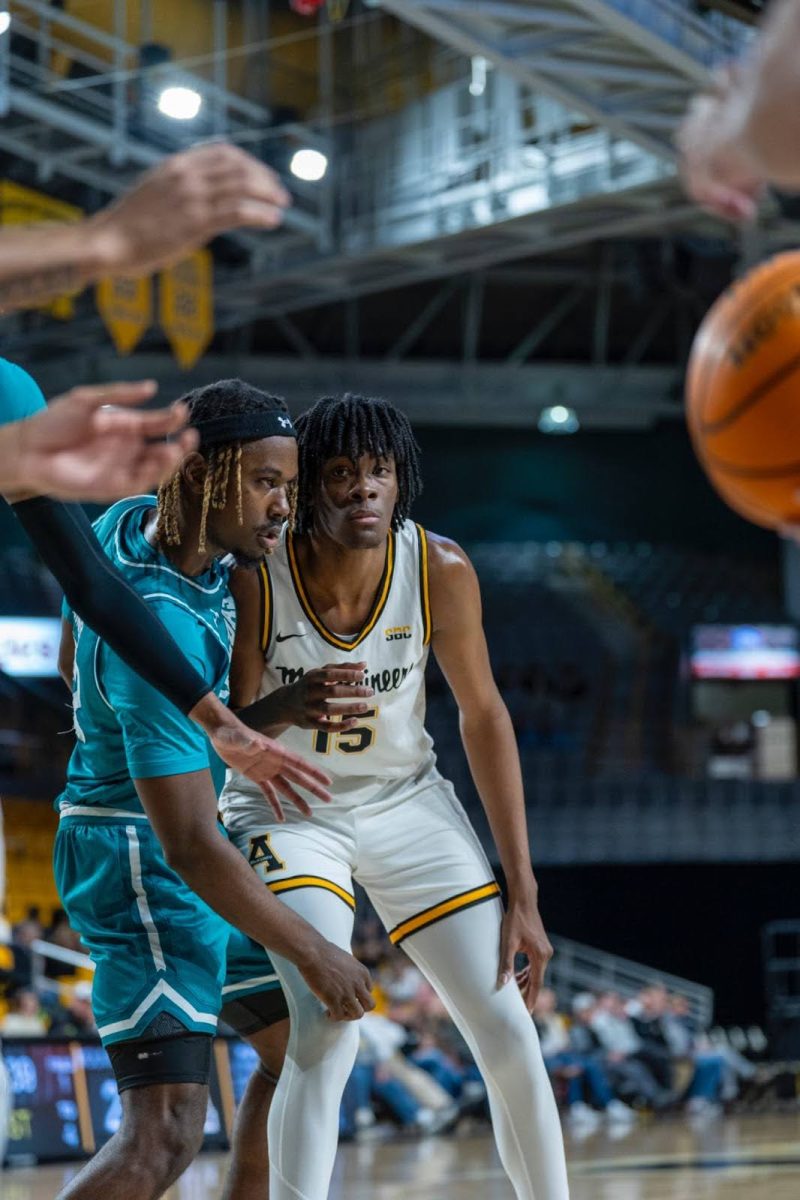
x: 390, y: 742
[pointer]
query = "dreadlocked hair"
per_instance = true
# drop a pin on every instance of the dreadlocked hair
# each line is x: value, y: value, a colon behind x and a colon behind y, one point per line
x: 227, y: 397
x: 350, y: 426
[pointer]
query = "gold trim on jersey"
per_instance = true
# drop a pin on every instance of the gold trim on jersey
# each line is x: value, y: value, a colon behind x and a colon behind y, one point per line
x: 381, y: 596
x: 438, y: 912
x: 266, y: 600
x: 424, y: 585
x: 303, y: 881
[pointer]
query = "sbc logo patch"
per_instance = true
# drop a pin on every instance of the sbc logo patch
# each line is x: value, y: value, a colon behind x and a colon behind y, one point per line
x: 398, y: 633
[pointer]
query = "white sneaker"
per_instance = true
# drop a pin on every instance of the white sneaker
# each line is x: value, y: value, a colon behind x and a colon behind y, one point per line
x: 698, y: 1106
x: 618, y: 1113
x: 363, y: 1118
x: 581, y: 1114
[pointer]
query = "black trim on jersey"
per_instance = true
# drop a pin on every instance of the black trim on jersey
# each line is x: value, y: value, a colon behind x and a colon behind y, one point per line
x: 424, y: 585
x: 267, y: 605
x: 379, y: 603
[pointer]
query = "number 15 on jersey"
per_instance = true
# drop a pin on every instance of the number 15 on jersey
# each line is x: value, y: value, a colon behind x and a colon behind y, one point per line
x: 350, y: 741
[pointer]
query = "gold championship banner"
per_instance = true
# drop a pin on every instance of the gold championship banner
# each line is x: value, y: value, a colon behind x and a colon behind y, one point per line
x: 186, y: 306
x: 126, y: 308
x: 25, y: 206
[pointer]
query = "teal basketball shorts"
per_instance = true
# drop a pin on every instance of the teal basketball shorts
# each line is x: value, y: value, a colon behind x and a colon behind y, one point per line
x: 157, y: 947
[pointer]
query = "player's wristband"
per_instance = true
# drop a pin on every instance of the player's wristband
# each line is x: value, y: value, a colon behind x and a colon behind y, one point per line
x: 95, y: 590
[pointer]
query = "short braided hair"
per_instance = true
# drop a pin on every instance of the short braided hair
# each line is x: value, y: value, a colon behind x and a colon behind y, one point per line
x: 353, y: 425
x: 226, y: 397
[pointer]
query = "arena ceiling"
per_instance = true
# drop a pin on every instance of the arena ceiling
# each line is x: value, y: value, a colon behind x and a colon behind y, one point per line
x: 527, y: 216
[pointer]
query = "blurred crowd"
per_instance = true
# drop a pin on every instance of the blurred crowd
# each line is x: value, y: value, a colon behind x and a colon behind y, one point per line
x: 54, y: 1002
x: 609, y: 1058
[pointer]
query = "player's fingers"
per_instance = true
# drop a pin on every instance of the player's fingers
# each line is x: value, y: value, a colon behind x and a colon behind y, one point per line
x: 272, y: 799
x: 92, y: 396
x: 293, y: 763
x: 229, y: 166
x: 347, y: 691
x: 532, y: 988
x: 505, y: 971
x: 156, y: 423
x: 321, y: 720
x: 268, y: 192
x: 365, y: 996
x: 342, y: 672
x: 308, y: 782
x: 285, y: 788
x: 160, y: 462
x: 244, y: 214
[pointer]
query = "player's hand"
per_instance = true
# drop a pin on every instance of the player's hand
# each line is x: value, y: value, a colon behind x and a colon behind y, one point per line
x: 183, y: 203
x: 276, y: 770
x: 523, y: 933
x: 329, y: 697
x: 89, y: 445
x: 715, y: 169
x: 340, y: 982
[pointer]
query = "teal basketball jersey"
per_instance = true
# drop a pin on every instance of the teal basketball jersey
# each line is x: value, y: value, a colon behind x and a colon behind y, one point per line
x: 124, y: 728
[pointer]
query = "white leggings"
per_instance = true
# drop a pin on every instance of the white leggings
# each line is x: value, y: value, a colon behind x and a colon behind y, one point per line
x: 459, y: 957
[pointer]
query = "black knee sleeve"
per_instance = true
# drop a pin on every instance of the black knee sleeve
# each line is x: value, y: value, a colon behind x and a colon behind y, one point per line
x: 166, y: 1052
x: 251, y: 1014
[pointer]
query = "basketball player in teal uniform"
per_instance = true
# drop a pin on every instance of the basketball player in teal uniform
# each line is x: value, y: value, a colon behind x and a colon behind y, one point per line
x: 360, y: 590
x: 144, y: 871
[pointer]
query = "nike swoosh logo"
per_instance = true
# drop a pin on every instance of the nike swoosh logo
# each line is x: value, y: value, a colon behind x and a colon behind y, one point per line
x: 284, y: 637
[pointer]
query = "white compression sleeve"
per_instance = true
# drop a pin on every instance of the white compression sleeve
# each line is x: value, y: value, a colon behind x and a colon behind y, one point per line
x: 304, y: 1117
x: 455, y: 956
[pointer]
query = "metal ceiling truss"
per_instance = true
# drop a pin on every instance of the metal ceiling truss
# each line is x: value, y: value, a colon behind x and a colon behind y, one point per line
x: 629, y: 66
x: 455, y: 184
x: 432, y: 393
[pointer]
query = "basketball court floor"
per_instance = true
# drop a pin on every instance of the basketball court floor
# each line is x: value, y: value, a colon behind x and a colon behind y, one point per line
x: 748, y: 1158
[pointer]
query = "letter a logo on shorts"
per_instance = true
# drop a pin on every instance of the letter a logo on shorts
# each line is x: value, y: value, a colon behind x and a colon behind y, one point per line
x: 262, y: 854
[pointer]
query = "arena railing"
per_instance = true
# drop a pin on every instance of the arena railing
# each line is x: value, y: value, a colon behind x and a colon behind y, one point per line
x: 41, y: 951
x: 577, y: 968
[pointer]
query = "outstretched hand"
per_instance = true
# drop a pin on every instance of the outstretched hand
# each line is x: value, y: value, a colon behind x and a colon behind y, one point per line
x: 276, y: 770
x: 183, y: 203
x: 714, y: 167
x: 89, y: 445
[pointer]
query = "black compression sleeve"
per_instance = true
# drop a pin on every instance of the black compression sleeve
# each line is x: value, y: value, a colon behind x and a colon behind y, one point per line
x: 95, y: 590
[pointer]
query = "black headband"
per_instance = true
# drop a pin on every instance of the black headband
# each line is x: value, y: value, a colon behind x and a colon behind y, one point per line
x: 244, y: 427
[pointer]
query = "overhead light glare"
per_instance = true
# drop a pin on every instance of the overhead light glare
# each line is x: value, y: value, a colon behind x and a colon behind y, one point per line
x: 5, y: 22
x: 480, y: 69
x: 558, y: 419
x: 180, y: 103
x: 308, y: 165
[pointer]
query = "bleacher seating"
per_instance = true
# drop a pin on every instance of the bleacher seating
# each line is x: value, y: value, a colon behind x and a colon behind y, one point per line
x: 29, y: 828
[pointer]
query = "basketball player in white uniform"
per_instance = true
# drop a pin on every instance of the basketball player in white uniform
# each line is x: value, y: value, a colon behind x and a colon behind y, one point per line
x: 349, y: 605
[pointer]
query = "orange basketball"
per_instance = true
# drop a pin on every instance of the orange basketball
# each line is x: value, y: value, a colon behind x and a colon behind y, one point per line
x: 743, y: 393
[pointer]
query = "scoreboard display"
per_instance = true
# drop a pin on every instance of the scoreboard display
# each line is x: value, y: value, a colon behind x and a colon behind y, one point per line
x: 65, y: 1103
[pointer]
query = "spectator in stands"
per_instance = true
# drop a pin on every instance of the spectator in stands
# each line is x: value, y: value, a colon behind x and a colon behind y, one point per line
x: 656, y: 1023
x: 382, y: 1073
x: 646, y: 1013
x: 75, y: 1019
x: 370, y: 942
x: 445, y: 1067
x: 574, y: 1056
x: 24, y: 1017
x: 627, y: 1067
x: 16, y: 961
x: 61, y: 934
